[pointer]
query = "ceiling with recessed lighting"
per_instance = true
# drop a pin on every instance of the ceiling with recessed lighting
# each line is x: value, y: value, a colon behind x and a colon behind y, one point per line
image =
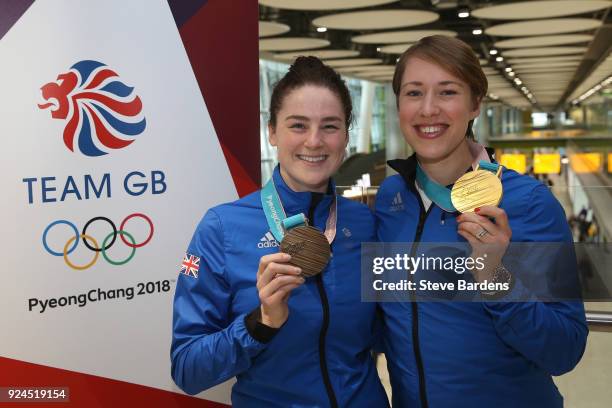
x: 542, y: 53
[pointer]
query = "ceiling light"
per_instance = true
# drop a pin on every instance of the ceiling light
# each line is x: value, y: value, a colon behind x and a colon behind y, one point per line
x: 477, y: 31
x: 322, y: 29
x: 463, y: 14
x: 493, y: 52
x: 517, y: 81
x: 511, y: 74
x: 499, y: 59
x: 378, y: 49
x: 508, y: 69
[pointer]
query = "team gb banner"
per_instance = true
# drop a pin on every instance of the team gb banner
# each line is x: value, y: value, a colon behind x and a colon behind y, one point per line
x: 109, y: 160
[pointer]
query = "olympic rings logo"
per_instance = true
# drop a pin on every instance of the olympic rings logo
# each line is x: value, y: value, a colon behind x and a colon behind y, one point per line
x: 93, y: 245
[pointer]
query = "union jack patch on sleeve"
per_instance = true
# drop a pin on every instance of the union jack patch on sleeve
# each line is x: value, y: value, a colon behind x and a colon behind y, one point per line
x: 190, y: 265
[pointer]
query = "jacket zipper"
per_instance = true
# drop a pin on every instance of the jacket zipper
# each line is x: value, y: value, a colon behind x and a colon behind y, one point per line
x: 415, y: 307
x: 333, y: 402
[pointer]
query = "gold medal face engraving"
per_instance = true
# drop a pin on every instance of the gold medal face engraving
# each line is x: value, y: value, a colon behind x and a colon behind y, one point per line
x: 475, y: 189
x: 308, y: 248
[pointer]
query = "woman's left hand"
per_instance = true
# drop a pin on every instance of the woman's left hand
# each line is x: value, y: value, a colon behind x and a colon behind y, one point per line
x: 488, y: 239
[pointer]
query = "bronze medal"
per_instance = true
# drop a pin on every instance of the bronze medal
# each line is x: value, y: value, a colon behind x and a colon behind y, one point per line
x: 309, y: 249
x: 475, y: 189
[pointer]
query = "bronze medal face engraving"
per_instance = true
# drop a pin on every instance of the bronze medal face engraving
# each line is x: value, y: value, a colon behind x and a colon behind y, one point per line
x: 308, y: 248
x: 475, y: 189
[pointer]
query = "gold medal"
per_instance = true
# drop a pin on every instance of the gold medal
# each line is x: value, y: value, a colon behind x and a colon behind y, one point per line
x: 477, y: 188
x: 309, y: 249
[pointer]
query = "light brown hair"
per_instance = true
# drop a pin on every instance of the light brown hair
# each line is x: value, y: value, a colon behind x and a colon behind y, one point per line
x: 450, y: 54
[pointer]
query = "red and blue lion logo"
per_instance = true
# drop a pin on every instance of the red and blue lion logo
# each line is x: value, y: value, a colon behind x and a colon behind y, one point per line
x: 103, y: 113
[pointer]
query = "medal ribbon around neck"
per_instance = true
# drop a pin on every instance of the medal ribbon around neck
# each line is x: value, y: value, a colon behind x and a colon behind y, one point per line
x: 279, y: 222
x: 443, y: 197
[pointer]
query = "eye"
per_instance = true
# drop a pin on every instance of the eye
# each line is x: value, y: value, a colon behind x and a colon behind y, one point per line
x: 448, y: 92
x: 297, y: 125
x: 331, y: 127
x: 413, y: 93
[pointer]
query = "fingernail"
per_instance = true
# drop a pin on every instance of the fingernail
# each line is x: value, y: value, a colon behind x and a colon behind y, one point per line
x: 476, y: 209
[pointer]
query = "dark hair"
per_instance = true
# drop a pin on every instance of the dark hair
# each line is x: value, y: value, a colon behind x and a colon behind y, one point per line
x: 310, y: 71
x: 452, y: 55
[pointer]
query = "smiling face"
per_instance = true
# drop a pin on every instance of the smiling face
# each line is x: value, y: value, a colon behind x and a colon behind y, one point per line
x: 311, y: 136
x: 434, y: 110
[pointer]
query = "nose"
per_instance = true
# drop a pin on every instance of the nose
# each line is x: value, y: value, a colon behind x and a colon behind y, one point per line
x: 429, y: 105
x: 314, y: 139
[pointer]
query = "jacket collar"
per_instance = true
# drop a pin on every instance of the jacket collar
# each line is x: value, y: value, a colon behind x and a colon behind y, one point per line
x: 407, y: 167
x: 295, y: 202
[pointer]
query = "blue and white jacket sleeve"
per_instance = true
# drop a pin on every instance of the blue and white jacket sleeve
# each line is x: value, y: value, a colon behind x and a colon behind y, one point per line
x: 208, y: 347
x: 550, y: 334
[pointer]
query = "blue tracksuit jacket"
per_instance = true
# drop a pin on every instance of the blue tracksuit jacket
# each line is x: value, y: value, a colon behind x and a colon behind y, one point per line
x: 321, y: 356
x: 477, y: 354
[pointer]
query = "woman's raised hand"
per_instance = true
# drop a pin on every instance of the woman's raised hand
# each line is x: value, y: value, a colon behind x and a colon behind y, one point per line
x: 488, y: 238
x: 275, y: 281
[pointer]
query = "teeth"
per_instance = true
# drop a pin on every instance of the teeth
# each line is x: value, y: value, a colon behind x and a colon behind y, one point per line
x: 431, y: 129
x: 312, y: 159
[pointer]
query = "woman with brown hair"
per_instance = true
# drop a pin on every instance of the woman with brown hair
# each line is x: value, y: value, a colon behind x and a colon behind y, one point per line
x: 489, y: 351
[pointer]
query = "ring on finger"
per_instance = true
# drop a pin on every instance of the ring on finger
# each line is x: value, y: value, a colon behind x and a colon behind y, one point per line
x: 482, y: 233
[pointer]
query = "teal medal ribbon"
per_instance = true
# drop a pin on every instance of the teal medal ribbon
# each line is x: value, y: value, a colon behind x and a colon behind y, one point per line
x: 490, y: 166
x: 441, y: 195
x: 279, y: 222
x: 437, y: 193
